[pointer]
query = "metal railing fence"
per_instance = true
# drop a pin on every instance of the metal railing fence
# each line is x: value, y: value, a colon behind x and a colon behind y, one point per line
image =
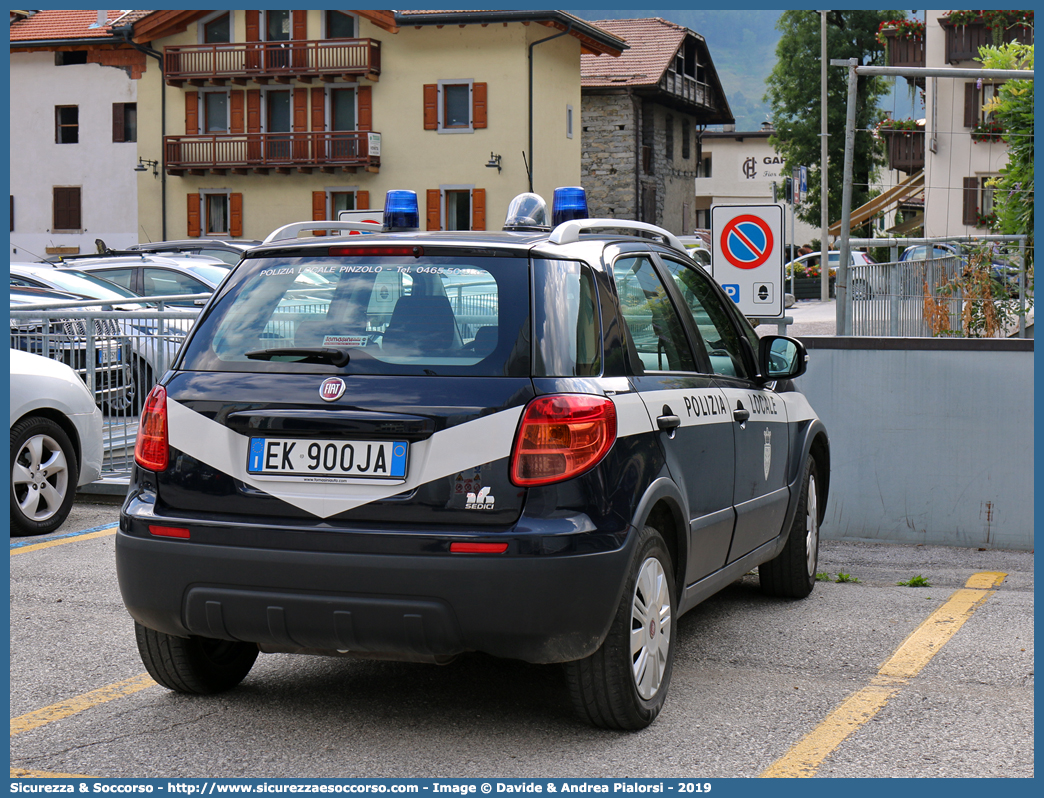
x: 119, y: 354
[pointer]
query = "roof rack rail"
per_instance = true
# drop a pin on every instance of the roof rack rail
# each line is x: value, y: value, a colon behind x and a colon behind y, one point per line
x: 569, y: 232
x: 288, y: 231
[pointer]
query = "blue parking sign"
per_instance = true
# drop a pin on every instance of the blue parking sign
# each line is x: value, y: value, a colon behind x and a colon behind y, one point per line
x: 732, y: 289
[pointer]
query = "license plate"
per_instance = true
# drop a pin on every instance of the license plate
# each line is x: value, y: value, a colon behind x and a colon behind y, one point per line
x: 109, y: 354
x: 297, y: 457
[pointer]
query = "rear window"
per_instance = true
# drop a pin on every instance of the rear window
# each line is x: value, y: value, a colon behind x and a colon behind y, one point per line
x: 432, y: 315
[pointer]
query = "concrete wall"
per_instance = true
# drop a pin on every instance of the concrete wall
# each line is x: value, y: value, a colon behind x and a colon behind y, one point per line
x: 931, y: 440
x: 103, y: 170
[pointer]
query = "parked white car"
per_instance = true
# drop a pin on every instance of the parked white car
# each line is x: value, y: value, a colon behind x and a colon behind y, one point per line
x: 56, y: 442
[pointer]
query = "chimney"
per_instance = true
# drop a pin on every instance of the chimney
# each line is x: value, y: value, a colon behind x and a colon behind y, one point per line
x: 103, y: 20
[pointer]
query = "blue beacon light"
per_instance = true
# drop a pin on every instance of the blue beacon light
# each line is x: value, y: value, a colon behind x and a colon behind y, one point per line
x: 569, y: 202
x: 401, y: 211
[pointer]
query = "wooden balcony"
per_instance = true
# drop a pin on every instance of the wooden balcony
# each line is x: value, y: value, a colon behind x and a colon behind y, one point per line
x: 963, y: 41
x: 686, y: 88
x: 242, y: 153
x: 279, y: 62
x: 905, y: 150
x: 904, y: 51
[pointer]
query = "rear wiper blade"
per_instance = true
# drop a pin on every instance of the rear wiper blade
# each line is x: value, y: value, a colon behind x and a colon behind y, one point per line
x: 324, y: 354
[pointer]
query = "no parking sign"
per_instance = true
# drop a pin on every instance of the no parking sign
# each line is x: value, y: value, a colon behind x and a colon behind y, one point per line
x: 747, y: 258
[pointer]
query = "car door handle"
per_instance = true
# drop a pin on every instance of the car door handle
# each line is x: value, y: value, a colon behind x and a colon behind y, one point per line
x: 668, y: 423
x: 741, y: 415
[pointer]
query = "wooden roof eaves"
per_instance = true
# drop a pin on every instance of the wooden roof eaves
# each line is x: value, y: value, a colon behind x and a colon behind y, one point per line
x: 160, y: 24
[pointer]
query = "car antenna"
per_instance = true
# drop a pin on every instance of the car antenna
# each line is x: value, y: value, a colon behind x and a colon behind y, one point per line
x: 38, y: 258
x: 146, y: 232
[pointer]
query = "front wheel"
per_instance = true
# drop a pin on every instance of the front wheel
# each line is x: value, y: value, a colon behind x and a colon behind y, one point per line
x: 623, y: 685
x: 792, y: 574
x: 198, y: 665
x: 44, y: 475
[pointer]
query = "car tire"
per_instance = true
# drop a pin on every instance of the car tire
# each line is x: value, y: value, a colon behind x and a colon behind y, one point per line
x: 141, y: 384
x: 616, y: 687
x: 792, y: 573
x: 195, y: 665
x: 861, y: 290
x: 44, y: 475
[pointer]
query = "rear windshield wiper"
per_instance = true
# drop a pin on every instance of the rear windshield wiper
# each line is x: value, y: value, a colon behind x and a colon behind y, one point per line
x: 324, y: 354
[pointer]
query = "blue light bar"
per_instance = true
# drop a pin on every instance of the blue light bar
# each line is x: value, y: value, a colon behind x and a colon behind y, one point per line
x: 569, y: 202
x: 401, y: 211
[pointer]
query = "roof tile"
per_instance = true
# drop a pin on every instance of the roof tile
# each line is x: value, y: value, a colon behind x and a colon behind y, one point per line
x: 53, y: 24
x: 653, y: 43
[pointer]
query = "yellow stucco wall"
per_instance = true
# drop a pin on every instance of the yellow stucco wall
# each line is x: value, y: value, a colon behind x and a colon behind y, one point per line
x: 411, y: 157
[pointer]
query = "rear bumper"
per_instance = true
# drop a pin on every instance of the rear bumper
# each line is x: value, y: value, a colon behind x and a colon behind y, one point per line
x: 547, y: 608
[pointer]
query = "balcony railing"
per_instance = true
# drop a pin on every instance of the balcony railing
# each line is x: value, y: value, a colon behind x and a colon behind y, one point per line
x: 905, y: 150
x: 326, y: 150
x: 963, y: 41
x: 280, y: 61
x: 687, y: 88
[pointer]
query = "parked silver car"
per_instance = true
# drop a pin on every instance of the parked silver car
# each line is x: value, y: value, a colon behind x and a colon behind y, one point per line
x: 155, y: 275
x: 56, y: 442
x: 228, y: 250
x: 152, y: 346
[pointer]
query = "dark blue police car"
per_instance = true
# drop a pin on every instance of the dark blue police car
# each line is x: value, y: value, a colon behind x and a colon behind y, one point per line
x: 546, y: 443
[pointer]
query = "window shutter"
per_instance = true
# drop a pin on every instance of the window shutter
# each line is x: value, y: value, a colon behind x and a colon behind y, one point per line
x: 299, y: 24
x: 253, y: 25
x: 318, y: 210
x: 362, y: 200
x: 300, y: 110
x: 971, y: 200
x: 364, y: 98
x: 117, y: 122
x: 434, y: 217
x: 972, y: 104
x: 253, y: 118
x: 478, y: 105
x: 235, y: 215
x: 431, y: 106
x: 191, y: 113
x: 194, y: 230
x: 235, y: 111
x: 318, y: 109
x: 478, y: 209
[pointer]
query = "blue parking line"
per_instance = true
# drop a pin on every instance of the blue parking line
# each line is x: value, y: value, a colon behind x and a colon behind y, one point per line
x: 17, y: 543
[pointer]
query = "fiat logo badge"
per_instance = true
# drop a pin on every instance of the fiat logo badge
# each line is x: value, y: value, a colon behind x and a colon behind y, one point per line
x: 332, y: 389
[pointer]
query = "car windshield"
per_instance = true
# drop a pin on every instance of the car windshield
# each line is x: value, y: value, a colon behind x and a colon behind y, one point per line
x: 212, y: 273
x: 369, y: 314
x: 88, y: 285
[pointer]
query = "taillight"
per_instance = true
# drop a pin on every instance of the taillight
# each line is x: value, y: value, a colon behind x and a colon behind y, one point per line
x: 150, y: 450
x: 561, y: 437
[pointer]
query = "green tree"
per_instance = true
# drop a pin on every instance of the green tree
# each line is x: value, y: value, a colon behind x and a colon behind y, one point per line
x: 794, y: 94
x: 1013, y: 109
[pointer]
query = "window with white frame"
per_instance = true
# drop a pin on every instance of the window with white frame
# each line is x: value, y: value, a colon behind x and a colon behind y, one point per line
x: 216, y: 28
x: 340, y: 25
x: 215, y: 213
x: 214, y: 111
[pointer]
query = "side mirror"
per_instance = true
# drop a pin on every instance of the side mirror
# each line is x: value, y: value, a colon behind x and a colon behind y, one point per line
x: 781, y: 358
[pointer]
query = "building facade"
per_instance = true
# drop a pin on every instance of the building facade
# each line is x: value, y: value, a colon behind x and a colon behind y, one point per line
x: 73, y: 124
x: 644, y: 115
x: 278, y: 116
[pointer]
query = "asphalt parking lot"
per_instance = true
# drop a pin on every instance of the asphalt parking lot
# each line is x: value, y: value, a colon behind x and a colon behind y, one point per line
x: 864, y: 678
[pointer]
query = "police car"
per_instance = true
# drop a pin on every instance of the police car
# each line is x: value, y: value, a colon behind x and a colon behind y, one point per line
x: 546, y: 443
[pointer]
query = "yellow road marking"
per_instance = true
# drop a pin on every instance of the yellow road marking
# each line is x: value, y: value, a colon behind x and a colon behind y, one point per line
x: 47, y: 544
x: 909, y: 659
x: 19, y: 773
x: 71, y: 706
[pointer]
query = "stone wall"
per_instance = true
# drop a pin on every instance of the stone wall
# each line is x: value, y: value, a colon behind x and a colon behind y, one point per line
x: 608, y: 159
